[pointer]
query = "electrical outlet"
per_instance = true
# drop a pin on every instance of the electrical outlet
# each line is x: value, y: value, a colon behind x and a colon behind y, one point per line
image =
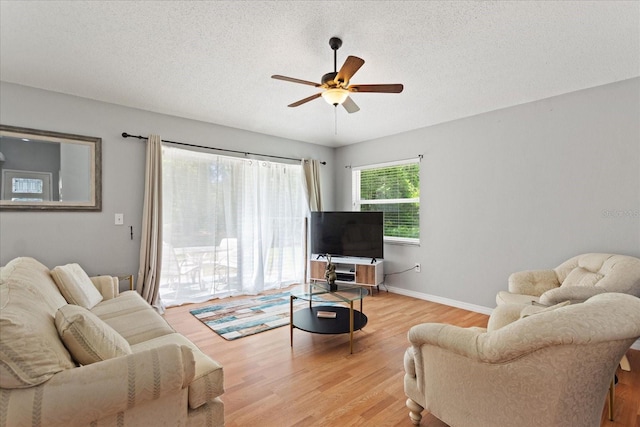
x: 417, y: 267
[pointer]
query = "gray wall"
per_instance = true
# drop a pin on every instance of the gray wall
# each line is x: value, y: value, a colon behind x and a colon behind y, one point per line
x: 521, y: 188
x: 525, y: 187
x: 92, y: 239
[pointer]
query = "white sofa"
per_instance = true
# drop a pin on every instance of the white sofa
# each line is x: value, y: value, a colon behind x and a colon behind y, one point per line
x: 76, y: 352
x: 575, y: 280
x: 551, y: 366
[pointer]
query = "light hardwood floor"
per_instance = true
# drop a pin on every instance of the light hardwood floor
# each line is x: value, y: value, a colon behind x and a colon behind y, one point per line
x: 318, y: 383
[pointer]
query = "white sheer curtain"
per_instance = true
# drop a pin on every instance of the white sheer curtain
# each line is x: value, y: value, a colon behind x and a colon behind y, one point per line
x: 231, y: 226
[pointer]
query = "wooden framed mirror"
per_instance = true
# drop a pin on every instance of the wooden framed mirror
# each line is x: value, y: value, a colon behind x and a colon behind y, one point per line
x: 43, y: 170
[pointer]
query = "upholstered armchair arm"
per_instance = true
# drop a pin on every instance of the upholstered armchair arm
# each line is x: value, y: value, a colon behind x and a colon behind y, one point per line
x: 453, y: 338
x: 533, y: 282
x: 81, y: 395
x: 108, y: 286
x: 450, y: 338
x: 575, y: 294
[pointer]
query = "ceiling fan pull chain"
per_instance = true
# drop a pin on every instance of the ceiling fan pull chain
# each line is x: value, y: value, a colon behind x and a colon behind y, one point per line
x: 335, y: 115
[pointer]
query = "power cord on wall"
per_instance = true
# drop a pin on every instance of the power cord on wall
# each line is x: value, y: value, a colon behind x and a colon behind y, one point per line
x: 384, y: 278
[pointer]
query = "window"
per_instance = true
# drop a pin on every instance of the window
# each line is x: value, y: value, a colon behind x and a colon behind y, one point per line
x: 393, y: 188
x: 230, y: 226
x: 26, y: 186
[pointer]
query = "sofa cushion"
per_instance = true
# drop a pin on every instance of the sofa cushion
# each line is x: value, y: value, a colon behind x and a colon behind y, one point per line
x: 582, y: 277
x: 208, y: 382
x: 27, y: 271
x: 30, y: 350
x: 139, y: 326
x: 88, y: 338
x: 75, y: 285
x: 125, y: 303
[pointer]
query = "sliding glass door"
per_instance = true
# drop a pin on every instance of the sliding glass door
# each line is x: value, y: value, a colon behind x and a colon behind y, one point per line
x: 230, y: 226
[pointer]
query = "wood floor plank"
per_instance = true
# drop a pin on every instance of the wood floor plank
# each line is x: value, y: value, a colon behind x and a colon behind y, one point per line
x: 318, y: 383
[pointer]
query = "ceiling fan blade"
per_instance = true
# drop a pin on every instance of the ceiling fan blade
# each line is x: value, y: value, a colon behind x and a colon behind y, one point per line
x: 307, y: 99
x: 292, y: 80
x: 350, y: 106
x: 349, y: 68
x: 390, y: 88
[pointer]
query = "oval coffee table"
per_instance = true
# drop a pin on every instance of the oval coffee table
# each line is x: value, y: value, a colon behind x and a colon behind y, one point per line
x: 346, y: 319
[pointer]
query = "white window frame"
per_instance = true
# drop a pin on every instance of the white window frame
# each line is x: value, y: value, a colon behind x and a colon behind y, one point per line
x: 357, y: 200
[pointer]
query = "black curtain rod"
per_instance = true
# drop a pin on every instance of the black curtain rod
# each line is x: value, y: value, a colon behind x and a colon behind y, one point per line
x: 246, y: 153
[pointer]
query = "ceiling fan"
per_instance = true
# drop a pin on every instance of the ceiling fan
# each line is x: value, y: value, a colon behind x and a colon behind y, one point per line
x: 336, y: 84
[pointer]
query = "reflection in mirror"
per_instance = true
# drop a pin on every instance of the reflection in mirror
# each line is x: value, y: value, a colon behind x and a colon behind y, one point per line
x: 49, y: 170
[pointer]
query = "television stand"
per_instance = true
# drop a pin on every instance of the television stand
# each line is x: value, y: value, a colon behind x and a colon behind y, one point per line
x: 366, y: 272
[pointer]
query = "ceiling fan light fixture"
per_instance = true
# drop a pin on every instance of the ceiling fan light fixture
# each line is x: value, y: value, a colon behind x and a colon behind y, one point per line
x: 335, y: 96
x: 337, y: 89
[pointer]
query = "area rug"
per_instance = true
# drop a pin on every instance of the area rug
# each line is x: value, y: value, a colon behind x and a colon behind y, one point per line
x: 247, y: 316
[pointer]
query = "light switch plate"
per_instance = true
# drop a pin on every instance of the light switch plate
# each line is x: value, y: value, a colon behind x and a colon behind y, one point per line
x: 119, y: 219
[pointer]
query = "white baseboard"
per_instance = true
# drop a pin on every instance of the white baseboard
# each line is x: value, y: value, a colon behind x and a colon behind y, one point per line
x: 441, y: 300
x: 458, y: 304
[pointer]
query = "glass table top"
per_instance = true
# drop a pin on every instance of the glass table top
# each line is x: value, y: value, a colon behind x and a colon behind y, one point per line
x: 319, y: 292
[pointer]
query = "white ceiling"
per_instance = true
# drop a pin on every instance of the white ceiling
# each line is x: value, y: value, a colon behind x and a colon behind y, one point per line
x: 212, y: 60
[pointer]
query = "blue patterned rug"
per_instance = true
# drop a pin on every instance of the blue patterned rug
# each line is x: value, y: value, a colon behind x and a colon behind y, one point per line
x: 247, y: 316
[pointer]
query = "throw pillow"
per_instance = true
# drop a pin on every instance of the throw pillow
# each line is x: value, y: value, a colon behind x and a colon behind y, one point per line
x: 27, y: 271
x: 75, y: 286
x: 30, y: 349
x: 88, y: 338
x: 536, y: 309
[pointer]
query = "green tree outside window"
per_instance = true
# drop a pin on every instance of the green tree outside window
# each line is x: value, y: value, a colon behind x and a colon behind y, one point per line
x: 395, y: 190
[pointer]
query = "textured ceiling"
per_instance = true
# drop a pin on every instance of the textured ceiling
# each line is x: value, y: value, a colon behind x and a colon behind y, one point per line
x: 212, y: 61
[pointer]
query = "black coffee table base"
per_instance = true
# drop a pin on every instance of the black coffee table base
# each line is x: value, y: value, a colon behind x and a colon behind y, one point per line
x: 306, y: 319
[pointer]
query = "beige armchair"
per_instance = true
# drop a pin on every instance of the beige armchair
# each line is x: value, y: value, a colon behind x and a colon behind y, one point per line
x: 552, y: 368
x: 575, y: 280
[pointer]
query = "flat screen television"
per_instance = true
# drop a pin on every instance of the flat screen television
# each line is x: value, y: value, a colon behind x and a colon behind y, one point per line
x: 347, y: 234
